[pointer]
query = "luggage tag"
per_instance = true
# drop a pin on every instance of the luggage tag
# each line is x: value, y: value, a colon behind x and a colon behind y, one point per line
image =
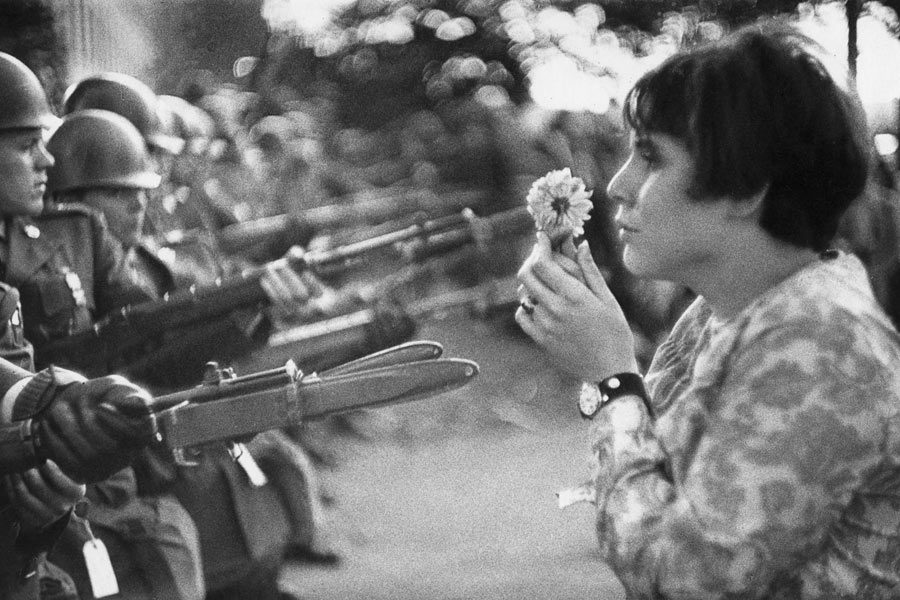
x: 96, y: 559
x: 246, y: 461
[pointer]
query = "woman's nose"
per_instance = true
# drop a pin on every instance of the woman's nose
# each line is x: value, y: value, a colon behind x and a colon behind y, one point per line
x: 619, y: 190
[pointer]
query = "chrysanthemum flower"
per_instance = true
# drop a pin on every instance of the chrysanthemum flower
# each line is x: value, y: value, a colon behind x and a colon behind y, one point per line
x: 560, y: 204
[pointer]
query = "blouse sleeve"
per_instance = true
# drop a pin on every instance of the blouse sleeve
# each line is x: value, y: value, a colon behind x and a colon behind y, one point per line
x: 766, y: 462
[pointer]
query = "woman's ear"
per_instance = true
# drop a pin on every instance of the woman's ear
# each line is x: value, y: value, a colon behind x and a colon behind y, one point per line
x: 749, y: 207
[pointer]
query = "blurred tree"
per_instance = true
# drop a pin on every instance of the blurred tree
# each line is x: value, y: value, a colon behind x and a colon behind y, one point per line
x: 389, y: 58
x: 27, y: 32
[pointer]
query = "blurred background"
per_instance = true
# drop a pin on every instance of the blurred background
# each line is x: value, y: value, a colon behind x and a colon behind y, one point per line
x: 344, y: 119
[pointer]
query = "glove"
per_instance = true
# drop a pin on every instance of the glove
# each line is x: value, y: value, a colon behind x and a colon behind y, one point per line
x: 42, y: 496
x: 391, y: 325
x: 94, y: 428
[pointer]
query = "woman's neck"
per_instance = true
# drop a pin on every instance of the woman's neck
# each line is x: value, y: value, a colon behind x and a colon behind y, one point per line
x: 752, y: 264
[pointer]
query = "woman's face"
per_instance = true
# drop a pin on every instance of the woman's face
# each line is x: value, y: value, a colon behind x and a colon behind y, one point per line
x: 24, y: 161
x: 665, y: 232
x: 124, y: 210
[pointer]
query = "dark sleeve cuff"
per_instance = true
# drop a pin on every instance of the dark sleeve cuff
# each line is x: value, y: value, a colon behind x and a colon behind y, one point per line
x: 35, y: 396
x: 33, y: 543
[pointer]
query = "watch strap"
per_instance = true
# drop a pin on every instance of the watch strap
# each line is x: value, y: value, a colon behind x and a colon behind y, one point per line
x: 595, y: 396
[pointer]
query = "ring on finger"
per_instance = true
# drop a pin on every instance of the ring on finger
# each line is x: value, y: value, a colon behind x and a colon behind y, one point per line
x: 527, y: 305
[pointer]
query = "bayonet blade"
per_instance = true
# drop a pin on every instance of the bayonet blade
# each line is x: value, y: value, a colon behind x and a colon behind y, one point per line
x: 392, y: 384
x: 403, y: 353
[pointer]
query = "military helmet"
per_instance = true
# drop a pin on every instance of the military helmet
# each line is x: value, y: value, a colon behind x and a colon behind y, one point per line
x: 193, y: 124
x: 126, y: 96
x: 23, y: 102
x: 98, y: 148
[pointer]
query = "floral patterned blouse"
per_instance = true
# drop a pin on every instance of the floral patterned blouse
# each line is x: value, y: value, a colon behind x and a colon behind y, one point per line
x: 772, y: 469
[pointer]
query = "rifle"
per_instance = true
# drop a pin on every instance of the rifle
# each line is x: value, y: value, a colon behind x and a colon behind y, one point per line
x: 471, y: 229
x: 127, y: 329
x: 363, y: 208
x: 324, y: 343
x: 226, y: 407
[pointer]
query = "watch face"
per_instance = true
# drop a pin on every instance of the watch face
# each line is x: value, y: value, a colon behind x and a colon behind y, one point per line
x: 589, y: 401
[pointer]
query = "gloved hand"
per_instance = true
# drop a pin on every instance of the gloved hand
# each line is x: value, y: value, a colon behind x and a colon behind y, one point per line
x: 295, y: 296
x: 42, y: 495
x: 94, y: 428
x: 391, y: 325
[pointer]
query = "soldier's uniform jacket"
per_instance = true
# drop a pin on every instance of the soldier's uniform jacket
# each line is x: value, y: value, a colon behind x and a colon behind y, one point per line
x: 24, y: 571
x: 176, y: 359
x: 243, y: 526
x: 69, y: 272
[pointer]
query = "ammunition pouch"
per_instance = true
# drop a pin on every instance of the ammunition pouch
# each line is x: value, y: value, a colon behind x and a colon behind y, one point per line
x: 242, y: 528
x: 152, y: 543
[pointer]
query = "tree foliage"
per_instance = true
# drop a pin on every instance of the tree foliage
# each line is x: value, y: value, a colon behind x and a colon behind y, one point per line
x: 388, y: 57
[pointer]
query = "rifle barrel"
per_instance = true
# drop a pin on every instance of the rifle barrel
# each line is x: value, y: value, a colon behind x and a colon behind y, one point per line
x: 497, y: 292
x: 226, y: 387
x: 363, y: 208
x: 480, y: 230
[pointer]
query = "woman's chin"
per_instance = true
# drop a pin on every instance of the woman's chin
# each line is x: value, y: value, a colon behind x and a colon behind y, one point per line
x: 636, y: 264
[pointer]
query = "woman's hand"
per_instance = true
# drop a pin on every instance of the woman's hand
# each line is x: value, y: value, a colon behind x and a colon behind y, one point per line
x: 42, y: 495
x: 575, y: 317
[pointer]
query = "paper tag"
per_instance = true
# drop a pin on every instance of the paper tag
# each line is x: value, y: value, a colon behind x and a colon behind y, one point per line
x: 100, y: 569
x: 243, y: 457
x: 570, y: 496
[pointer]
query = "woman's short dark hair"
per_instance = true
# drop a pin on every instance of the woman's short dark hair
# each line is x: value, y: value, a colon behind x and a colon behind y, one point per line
x: 754, y: 109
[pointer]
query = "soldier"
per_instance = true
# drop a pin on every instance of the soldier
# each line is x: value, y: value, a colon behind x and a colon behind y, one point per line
x: 57, y: 407
x: 189, y: 206
x: 101, y: 163
x: 158, y: 123
x: 69, y: 271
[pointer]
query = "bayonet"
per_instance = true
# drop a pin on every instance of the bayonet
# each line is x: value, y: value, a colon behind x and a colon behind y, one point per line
x: 226, y: 407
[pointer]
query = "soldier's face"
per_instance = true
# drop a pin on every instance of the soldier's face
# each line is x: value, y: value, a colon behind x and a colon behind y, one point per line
x: 24, y: 161
x: 124, y: 210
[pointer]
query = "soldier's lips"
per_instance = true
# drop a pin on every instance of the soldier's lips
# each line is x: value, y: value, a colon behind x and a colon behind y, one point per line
x: 626, y: 233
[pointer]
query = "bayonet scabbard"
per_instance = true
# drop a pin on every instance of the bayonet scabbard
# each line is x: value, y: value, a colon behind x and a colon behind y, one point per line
x: 234, y: 407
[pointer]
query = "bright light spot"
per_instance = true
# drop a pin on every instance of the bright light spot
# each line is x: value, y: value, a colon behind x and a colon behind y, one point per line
x: 472, y: 67
x: 556, y: 23
x: 492, y: 96
x: 512, y: 10
x: 455, y: 29
x: 590, y: 16
x: 519, y: 31
x: 244, y: 66
x: 886, y: 143
x: 434, y: 18
x: 390, y: 30
x: 558, y: 84
x: 301, y: 16
x: 878, y: 63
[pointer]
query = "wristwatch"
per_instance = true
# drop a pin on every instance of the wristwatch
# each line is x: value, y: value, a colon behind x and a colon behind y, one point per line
x: 595, y: 396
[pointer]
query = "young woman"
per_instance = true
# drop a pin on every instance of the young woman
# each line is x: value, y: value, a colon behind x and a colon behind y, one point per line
x: 760, y: 455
